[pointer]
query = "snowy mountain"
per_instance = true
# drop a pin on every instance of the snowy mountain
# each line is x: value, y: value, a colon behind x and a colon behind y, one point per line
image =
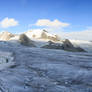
x: 5, y: 36
x: 42, y: 39
x: 41, y: 35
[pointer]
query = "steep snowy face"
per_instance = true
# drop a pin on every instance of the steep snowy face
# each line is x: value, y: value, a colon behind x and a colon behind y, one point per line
x: 87, y: 45
x: 5, y: 36
x: 41, y: 34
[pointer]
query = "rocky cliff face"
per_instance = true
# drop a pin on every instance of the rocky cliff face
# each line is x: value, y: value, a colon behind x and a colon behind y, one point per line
x: 67, y: 45
x: 24, y: 40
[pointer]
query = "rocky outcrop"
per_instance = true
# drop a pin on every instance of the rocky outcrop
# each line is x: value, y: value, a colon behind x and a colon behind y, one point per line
x: 5, y: 36
x: 55, y: 38
x: 66, y: 45
x: 52, y: 45
x: 24, y: 40
x: 45, y: 35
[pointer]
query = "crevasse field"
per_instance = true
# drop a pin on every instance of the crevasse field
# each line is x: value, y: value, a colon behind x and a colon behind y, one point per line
x: 29, y: 69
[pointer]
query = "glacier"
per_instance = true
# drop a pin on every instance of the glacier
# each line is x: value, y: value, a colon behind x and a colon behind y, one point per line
x: 45, y: 70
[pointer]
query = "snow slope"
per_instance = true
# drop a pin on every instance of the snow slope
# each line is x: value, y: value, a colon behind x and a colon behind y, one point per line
x: 6, y: 60
x: 45, y: 70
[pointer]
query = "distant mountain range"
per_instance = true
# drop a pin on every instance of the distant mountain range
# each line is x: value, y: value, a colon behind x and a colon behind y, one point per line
x: 43, y: 39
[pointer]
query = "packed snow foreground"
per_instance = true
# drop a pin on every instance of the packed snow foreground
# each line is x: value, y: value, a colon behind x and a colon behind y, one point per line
x: 42, y: 62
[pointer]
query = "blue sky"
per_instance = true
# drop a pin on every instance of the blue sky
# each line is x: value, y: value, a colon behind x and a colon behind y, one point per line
x: 78, y: 13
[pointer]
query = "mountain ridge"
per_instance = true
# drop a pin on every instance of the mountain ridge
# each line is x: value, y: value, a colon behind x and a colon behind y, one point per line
x: 42, y: 39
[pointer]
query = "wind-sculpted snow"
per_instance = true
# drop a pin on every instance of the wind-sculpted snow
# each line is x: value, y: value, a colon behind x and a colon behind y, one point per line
x: 46, y: 70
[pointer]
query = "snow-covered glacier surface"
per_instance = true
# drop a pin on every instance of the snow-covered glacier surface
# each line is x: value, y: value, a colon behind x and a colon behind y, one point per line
x: 6, y: 60
x: 44, y: 70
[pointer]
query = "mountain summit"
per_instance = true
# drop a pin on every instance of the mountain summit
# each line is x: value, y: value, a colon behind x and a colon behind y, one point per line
x: 42, y: 34
x: 6, y: 36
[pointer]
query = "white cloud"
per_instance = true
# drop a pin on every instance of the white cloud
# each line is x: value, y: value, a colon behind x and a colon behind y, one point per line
x: 55, y: 23
x: 6, y: 22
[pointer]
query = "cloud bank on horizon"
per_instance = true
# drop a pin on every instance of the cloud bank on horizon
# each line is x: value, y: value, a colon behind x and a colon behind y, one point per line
x: 78, y: 35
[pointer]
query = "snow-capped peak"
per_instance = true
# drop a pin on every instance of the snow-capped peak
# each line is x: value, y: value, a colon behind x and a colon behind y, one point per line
x: 41, y: 34
x: 5, y: 35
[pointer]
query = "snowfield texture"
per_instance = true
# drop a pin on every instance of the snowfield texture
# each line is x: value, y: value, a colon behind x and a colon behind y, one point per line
x: 44, y: 70
x: 6, y: 60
